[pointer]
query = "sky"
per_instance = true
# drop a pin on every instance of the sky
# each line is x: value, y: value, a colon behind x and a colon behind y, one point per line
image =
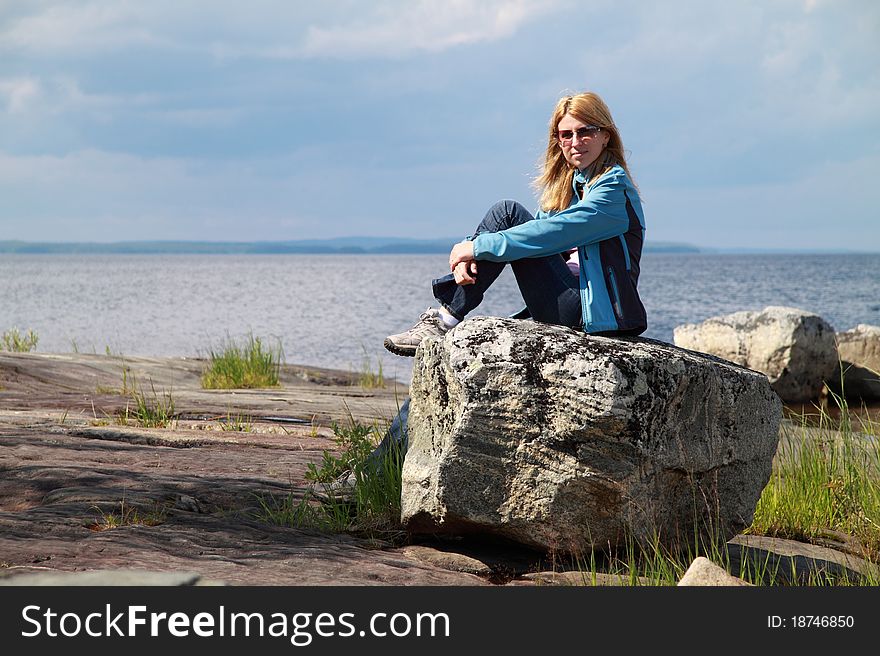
x: 748, y: 124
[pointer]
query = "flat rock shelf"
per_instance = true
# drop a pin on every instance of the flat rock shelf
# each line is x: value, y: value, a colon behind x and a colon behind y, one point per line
x: 64, y: 461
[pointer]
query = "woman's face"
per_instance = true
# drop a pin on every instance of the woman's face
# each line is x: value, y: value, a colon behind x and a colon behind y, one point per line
x: 581, y: 143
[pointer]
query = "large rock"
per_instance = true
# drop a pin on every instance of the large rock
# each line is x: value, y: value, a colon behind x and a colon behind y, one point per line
x: 859, y: 351
x: 565, y: 441
x: 794, y: 348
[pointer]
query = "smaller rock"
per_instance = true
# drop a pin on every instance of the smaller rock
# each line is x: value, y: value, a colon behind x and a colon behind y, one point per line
x: 788, y: 562
x: 451, y: 561
x: 703, y: 572
x: 188, y: 504
x: 795, y: 349
x: 858, y: 375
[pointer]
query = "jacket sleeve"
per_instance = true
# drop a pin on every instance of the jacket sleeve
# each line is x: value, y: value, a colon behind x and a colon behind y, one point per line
x: 600, y: 215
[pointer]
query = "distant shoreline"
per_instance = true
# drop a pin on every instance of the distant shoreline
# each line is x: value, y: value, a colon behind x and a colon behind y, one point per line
x: 340, y: 246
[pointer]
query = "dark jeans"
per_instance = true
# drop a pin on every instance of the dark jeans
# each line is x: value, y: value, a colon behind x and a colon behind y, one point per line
x: 551, y: 294
x: 396, y: 440
x: 550, y: 291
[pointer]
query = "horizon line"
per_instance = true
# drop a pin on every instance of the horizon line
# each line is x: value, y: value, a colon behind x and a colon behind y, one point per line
x: 378, y: 243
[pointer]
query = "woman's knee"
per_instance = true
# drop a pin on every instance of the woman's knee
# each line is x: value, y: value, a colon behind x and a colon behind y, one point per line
x: 505, y: 214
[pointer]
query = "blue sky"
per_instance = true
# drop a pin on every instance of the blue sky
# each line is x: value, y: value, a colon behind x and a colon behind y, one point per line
x: 749, y: 123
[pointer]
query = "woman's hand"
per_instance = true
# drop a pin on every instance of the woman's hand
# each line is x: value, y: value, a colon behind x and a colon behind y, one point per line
x: 465, y: 273
x: 463, y: 251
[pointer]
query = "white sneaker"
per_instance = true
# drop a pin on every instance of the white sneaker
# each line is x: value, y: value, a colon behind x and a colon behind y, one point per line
x: 429, y: 325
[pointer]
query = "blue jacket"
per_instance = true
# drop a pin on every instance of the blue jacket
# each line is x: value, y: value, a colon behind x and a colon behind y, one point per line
x: 608, y: 228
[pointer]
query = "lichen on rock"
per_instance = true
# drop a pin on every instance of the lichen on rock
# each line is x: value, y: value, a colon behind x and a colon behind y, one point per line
x: 561, y: 440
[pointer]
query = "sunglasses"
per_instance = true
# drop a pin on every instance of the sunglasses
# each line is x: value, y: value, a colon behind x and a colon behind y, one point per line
x: 586, y: 132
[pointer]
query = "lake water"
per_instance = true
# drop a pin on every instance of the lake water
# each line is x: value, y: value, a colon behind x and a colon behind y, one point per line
x: 335, y: 310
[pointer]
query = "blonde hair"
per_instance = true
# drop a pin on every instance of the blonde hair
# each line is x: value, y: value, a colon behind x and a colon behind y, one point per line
x: 554, y: 182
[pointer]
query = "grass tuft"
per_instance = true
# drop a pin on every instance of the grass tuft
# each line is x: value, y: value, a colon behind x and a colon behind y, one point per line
x: 248, y: 365
x: 374, y: 508
x: 366, y: 377
x: 127, y: 515
x: 153, y: 410
x: 237, y: 423
x: 13, y: 340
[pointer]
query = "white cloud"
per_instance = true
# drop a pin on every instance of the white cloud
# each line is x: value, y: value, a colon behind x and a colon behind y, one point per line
x: 68, y: 94
x: 424, y: 26
x: 268, y: 29
x: 89, y: 26
x: 20, y: 93
x: 32, y: 100
x: 730, y: 82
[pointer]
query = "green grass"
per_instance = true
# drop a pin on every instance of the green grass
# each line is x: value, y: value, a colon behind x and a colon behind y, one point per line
x: 826, y: 480
x: 13, y: 340
x: 237, y: 423
x: 373, y: 510
x: 147, y: 410
x: 655, y: 565
x: 368, y: 378
x: 247, y: 365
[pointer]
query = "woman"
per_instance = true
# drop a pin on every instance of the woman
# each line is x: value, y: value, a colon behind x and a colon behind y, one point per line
x: 590, y: 210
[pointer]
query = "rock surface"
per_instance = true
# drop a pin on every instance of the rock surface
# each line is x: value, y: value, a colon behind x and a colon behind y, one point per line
x: 563, y: 441
x: 795, y: 349
x: 788, y: 562
x: 64, y: 465
x: 190, y: 494
x: 108, y: 577
x: 859, y: 351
